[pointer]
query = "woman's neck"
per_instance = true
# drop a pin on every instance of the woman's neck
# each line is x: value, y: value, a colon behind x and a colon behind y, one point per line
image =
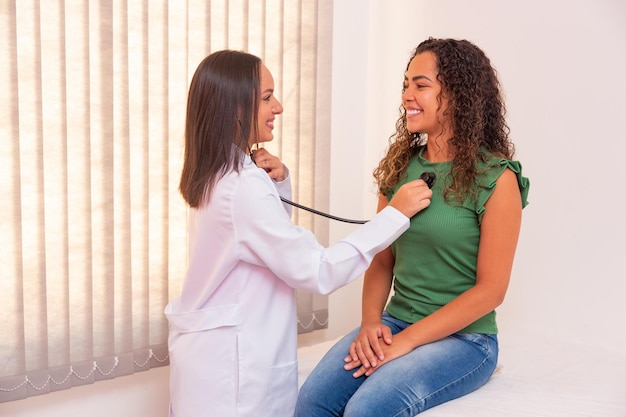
x: 437, y: 150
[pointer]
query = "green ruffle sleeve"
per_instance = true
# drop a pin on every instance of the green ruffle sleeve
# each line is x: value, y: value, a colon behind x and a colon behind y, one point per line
x: 488, y: 185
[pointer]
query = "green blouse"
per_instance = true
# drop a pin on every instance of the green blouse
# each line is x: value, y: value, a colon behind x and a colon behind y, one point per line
x: 435, y: 259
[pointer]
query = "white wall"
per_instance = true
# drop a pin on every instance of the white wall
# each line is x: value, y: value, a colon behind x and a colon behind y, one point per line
x: 561, y: 64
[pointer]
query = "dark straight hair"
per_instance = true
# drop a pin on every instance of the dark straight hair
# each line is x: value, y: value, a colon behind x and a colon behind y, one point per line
x: 222, y: 112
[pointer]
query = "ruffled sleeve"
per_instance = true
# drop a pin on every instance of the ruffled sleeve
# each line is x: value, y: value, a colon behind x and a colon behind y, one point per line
x: 488, y: 185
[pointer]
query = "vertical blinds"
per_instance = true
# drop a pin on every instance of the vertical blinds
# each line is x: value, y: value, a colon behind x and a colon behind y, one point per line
x: 94, y: 236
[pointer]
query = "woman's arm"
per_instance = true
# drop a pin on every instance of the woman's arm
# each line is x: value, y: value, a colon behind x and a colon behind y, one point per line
x: 376, y: 288
x: 499, y: 234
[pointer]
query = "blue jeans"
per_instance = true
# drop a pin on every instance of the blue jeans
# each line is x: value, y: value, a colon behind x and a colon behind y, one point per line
x: 430, y: 375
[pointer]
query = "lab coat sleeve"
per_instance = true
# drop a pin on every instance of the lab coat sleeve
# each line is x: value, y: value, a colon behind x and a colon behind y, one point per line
x: 284, y: 190
x: 266, y: 237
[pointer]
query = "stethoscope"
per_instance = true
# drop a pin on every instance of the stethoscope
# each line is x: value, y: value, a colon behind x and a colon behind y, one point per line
x: 427, y: 177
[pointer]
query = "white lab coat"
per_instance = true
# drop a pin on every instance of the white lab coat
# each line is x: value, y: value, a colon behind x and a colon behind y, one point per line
x: 233, y: 330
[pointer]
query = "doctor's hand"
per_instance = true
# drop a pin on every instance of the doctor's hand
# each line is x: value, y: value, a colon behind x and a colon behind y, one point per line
x: 411, y: 198
x: 270, y: 163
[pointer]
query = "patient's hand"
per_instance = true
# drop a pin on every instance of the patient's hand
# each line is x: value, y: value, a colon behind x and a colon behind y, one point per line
x: 400, y: 347
x: 367, y: 349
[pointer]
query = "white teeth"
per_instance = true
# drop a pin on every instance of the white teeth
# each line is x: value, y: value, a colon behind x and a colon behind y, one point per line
x: 412, y: 112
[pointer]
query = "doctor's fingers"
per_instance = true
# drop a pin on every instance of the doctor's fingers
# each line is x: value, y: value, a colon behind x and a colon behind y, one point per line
x: 268, y: 161
x: 411, y: 198
x: 264, y: 156
x: 277, y: 174
x: 418, y: 187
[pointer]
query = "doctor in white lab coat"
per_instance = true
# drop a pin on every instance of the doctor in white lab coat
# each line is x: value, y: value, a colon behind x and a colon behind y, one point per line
x: 233, y: 331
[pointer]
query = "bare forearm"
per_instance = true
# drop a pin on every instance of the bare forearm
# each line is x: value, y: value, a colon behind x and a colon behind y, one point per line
x: 375, y: 297
x: 376, y: 287
x: 454, y: 316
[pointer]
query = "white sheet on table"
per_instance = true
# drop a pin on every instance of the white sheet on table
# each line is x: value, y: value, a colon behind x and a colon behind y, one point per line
x: 536, y: 377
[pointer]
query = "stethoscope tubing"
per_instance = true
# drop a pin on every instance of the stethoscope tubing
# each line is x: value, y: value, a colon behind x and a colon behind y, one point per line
x: 428, y: 177
x: 320, y: 213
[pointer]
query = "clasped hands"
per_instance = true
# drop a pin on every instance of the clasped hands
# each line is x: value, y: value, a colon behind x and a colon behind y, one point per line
x: 373, y: 347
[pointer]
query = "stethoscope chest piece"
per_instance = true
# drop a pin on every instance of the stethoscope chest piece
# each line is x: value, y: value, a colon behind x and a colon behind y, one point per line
x: 429, y: 178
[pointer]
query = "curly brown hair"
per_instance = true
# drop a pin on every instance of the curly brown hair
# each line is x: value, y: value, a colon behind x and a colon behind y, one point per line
x: 476, y: 110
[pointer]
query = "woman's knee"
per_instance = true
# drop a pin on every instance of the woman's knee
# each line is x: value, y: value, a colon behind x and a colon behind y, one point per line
x: 308, y: 401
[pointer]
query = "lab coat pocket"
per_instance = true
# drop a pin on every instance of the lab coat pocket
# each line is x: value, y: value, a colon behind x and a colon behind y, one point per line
x: 204, y: 371
x: 283, y: 389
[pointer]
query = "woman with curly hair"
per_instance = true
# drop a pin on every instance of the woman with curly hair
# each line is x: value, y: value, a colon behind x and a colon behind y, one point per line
x: 435, y: 339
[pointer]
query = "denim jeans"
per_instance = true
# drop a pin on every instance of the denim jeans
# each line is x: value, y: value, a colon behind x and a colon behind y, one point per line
x: 430, y: 375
